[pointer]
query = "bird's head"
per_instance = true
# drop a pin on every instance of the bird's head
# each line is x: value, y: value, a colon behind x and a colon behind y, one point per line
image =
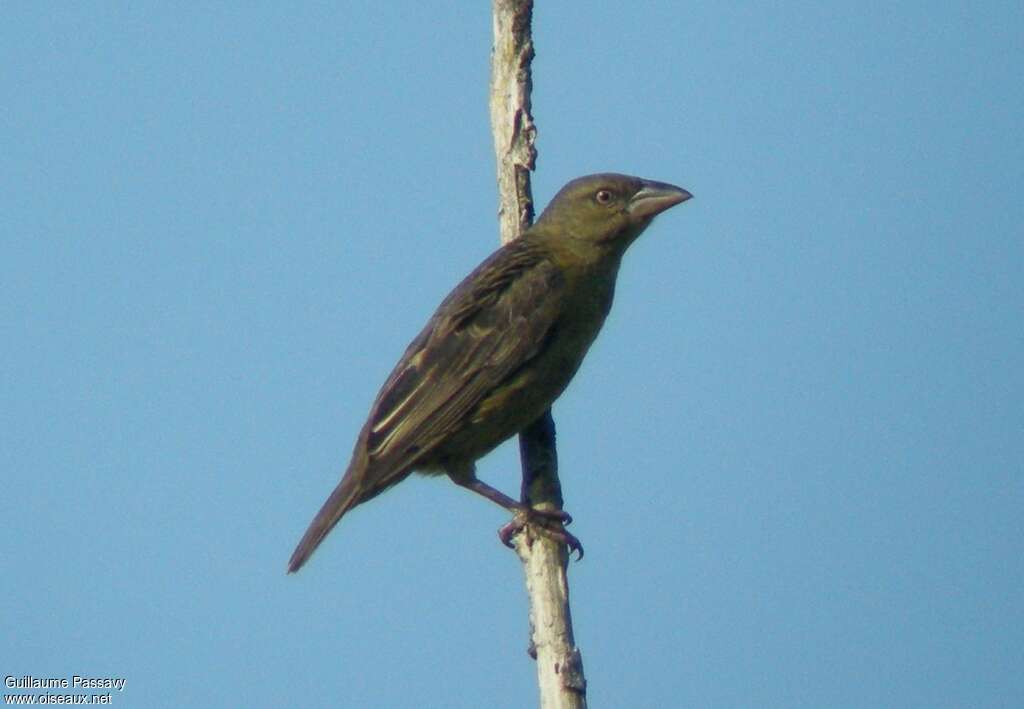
x: 607, y: 209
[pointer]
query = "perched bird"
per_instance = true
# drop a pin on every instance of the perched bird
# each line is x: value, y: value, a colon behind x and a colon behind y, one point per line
x: 500, y: 348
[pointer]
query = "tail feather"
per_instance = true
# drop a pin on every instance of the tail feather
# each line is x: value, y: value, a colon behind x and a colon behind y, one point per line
x: 344, y: 498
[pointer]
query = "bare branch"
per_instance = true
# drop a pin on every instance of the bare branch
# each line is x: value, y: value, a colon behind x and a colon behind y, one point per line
x: 559, y: 663
x: 511, y: 120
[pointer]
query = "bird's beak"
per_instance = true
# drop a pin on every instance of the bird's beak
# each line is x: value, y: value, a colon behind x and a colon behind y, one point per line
x: 654, y: 198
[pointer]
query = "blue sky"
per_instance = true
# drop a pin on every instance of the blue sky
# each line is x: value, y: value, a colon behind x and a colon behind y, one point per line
x: 794, y: 454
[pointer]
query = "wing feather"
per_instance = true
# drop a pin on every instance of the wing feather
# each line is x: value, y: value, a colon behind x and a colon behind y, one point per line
x: 492, y: 324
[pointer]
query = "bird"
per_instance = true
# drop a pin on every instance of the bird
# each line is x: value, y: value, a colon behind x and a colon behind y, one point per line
x: 500, y: 348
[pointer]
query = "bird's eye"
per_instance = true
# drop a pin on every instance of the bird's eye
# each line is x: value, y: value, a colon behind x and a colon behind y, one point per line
x: 603, y: 196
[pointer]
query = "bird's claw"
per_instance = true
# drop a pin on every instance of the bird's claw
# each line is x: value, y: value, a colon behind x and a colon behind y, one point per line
x: 549, y: 523
x: 560, y: 516
x: 569, y: 540
x: 508, y: 531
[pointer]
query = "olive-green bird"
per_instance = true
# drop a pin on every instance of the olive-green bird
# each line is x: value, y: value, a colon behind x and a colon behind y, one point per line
x: 500, y: 348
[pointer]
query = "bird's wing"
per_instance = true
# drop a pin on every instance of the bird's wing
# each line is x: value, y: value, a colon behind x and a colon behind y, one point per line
x: 495, y: 321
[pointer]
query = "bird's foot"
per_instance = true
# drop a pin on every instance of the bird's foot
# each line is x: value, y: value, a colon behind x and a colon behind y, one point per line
x: 548, y: 523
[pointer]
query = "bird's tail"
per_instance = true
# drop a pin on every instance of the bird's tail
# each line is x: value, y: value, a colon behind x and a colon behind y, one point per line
x: 344, y: 498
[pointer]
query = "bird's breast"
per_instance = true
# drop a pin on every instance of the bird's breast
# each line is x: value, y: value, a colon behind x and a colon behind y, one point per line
x: 531, y: 389
x: 526, y: 392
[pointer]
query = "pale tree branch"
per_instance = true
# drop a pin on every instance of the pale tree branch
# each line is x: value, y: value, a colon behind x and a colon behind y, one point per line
x: 559, y: 663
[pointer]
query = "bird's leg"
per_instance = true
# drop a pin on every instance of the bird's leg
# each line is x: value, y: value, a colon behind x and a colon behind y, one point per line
x: 498, y: 497
x: 550, y: 523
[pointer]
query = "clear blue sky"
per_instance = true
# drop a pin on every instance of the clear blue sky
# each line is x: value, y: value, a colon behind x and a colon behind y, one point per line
x: 794, y: 455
